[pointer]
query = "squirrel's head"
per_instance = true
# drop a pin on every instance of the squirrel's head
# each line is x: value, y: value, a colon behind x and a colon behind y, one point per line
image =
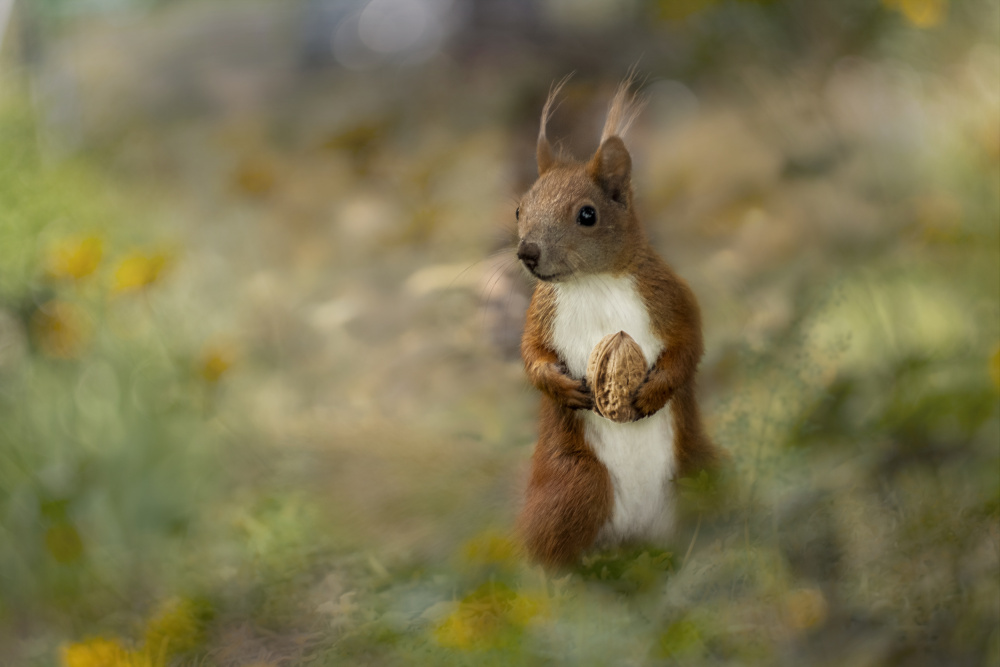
x: 577, y: 218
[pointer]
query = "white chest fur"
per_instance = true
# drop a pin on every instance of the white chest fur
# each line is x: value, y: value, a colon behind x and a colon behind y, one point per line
x: 591, y: 307
x: 639, y: 456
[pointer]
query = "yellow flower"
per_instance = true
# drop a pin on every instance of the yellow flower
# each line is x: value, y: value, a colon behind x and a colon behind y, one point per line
x: 490, y: 548
x: 74, y: 258
x: 179, y: 626
x: 462, y: 629
x: 139, y: 270
x: 60, y: 329
x: 99, y: 652
x: 805, y: 608
x: 921, y: 13
x: 255, y: 177
x: 215, y: 361
x: 683, y: 639
x: 525, y: 609
x: 488, y: 616
x: 96, y: 652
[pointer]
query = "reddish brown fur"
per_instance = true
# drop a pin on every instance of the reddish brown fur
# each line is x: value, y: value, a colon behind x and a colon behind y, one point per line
x: 676, y: 319
x: 570, y: 495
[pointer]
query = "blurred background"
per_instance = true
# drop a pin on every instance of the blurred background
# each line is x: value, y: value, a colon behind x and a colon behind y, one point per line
x: 260, y: 395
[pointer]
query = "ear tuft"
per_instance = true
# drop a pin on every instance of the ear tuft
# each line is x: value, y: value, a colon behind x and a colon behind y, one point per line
x: 611, y: 169
x: 624, y: 109
x: 544, y: 156
x: 544, y: 153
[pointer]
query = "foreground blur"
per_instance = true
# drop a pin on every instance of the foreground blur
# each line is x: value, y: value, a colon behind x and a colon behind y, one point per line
x: 260, y: 401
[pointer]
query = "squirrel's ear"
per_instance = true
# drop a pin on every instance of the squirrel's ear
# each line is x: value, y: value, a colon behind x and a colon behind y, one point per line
x: 544, y: 155
x: 611, y: 169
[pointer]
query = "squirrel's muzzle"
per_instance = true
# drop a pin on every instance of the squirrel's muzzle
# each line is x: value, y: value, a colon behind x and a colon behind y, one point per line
x: 529, y: 254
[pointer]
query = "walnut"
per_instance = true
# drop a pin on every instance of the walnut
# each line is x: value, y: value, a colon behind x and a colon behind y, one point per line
x: 616, y: 369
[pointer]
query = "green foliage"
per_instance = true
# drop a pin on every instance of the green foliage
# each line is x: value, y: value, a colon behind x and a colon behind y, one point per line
x: 628, y: 572
x: 38, y: 203
x: 105, y: 461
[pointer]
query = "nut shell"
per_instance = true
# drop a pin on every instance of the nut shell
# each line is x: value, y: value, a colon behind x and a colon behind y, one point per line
x: 615, y: 370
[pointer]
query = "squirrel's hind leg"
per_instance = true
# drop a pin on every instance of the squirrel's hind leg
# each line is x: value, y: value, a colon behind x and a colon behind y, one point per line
x: 569, y: 496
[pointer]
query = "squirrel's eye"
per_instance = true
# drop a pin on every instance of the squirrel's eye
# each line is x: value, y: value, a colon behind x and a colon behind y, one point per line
x: 517, y: 213
x: 587, y: 216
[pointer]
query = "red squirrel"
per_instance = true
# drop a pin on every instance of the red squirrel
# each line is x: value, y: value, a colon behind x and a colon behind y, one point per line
x: 595, y: 482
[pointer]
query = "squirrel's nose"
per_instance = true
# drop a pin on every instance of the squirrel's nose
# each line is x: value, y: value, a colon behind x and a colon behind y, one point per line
x: 529, y: 254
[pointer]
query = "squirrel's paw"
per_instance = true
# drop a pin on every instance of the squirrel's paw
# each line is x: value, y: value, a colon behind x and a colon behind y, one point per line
x: 651, y: 395
x: 574, y: 394
x: 581, y: 397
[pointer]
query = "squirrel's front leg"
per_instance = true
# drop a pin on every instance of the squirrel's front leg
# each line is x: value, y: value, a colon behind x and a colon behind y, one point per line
x: 551, y: 377
x: 544, y: 367
x: 670, y: 371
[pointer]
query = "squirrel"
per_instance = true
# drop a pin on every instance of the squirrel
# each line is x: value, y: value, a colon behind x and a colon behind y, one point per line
x: 594, y: 482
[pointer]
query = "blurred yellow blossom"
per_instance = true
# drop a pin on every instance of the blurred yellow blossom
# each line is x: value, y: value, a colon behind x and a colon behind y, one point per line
x: 99, y: 652
x: 178, y: 626
x: 96, y: 652
x: 139, y: 270
x: 805, y: 608
x: 683, y: 639
x: 921, y: 13
x: 74, y: 258
x: 255, y: 176
x: 488, y: 616
x: 490, y: 548
x: 60, y: 329
x: 215, y: 361
x: 526, y: 608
